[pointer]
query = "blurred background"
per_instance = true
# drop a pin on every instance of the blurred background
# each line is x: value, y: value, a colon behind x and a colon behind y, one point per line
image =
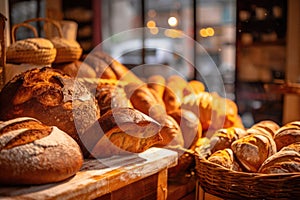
x: 249, y: 42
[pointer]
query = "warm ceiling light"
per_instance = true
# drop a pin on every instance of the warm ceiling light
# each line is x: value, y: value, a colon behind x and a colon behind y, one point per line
x: 203, y: 32
x: 151, y: 24
x: 152, y: 13
x: 210, y: 31
x: 172, y: 21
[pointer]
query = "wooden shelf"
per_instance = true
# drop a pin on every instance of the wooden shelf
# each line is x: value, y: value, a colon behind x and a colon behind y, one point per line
x: 106, y: 178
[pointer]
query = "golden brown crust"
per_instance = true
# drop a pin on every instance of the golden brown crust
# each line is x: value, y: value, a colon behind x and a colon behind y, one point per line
x: 223, y: 157
x: 76, y: 69
x: 252, y: 150
x: 36, y: 155
x: 223, y: 138
x: 51, y: 97
x: 121, y: 130
x: 102, y: 68
x: 157, y: 84
x: 111, y: 95
x: 190, y: 126
x: 281, y: 162
x: 196, y: 86
x: 286, y: 135
x: 171, y: 133
x: 143, y: 100
x: 267, y: 126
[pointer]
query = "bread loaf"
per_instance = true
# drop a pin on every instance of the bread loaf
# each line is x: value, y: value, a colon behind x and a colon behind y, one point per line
x: 121, y: 131
x: 111, y: 95
x: 223, y: 138
x: 286, y: 135
x: 76, y: 69
x: 51, y: 97
x: 33, y: 153
x: 121, y: 72
x: 223, y: 157
x: 190, y: 126
x: 282, y: 162
x: 157, y: 83
x: 101, y: 68
x: 171, y: 133
x: 145, y: 101
x: 267, y: 127
x: 252, y: 150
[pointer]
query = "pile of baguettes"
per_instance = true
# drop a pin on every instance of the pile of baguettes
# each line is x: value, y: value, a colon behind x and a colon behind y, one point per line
x: 263, y: 148
x: 112, y: 114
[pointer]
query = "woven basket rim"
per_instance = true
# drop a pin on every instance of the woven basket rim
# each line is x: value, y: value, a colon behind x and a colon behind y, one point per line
x: 226, y: 183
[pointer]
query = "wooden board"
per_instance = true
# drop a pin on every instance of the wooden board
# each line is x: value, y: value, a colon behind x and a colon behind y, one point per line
x: 98, y: 177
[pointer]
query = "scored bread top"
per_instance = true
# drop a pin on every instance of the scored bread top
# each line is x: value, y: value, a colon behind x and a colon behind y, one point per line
x: 20, y: 131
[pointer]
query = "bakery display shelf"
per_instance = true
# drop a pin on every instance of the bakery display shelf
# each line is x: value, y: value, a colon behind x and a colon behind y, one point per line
x: 107, y: 178
x: 283, y: 87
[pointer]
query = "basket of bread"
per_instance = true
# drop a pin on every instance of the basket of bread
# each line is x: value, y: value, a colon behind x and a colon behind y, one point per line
x: 261, y: 162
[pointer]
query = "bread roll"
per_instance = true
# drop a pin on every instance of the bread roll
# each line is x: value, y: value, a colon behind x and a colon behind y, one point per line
x: 223, y: 157
x: 196, y: 86
x: 33, y: 153
x: 157, y: 83
x: 252, y: 150
x: 102, y: 69
x: 223, y: 138
x: 143, y: 100
x: 121, y: 72
x: 190, y: 126
x: 171, y: 133
x: 51, y: 97
x: 286, y: 135
x: 281, y: 162
x: 76, y: 69
x: 171, y: 100
x: 111, y: 95
x: 267, y: 126
x: 292, y: 147
x: 121, y: 131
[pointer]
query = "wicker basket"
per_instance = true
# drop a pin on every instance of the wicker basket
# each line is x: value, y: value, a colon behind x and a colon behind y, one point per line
x: 228, y: 184
x: 41, y: 56
x: 67, y: 50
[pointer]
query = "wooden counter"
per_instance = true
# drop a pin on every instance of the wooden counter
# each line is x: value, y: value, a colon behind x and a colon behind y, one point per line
x: 144, y: 175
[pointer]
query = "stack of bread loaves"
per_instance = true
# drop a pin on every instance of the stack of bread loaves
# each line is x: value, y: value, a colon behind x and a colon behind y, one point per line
x: 263, y: 148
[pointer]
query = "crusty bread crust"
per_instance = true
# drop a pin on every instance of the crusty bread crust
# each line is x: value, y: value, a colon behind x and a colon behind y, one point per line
x: 26, y: 159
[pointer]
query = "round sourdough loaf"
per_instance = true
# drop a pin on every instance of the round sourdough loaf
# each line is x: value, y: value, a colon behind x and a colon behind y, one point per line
x: 51, y: 97
x: 33, y: 153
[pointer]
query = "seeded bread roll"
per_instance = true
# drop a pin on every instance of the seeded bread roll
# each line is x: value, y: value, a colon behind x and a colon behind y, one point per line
x: 252, y: 150
x: 121, y: 131
x: 223, y: 138
x: 286, y: 135
x: 33, y: 153
x: 51, y: 97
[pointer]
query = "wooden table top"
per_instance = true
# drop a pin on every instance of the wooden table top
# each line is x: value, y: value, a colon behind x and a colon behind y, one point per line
x: 98, y: 177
